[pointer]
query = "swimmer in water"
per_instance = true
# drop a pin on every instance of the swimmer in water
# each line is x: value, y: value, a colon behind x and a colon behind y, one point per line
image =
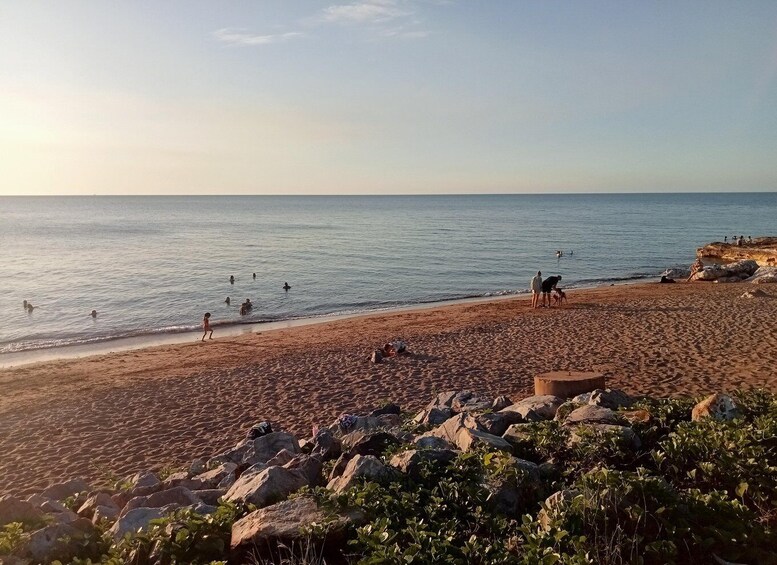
x: 286, y: 286
x: 254, y: 275
x: 227, y: 301
x: 24, y: 304
x: 93, y: 314
x: 231, y: 279
x: 30, y: 307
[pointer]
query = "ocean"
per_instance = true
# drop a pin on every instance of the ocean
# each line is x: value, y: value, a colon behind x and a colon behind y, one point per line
x: 152, y: 265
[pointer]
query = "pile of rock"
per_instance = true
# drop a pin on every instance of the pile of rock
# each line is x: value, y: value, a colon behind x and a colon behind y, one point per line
x: 268, y: 466
x: 731, y: 272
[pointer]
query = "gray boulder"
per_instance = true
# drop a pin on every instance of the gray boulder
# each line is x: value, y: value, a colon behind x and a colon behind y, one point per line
x: 268, y: 487
x: 67, y: 489
x: 101, y: 513
x: 93, y: 501
x: 412, y: 461
x: 57, y: 541
x: 591, y: 414
x: 611, y: 398
x: 468, y: 439
x: 135, y: 520
x: 359, y: 468
x: 431, y: 442
x: 176, y: 495
x: 433, y: 416
x: 285, y: 525
x: 14, y: 510
x: 544, y: 406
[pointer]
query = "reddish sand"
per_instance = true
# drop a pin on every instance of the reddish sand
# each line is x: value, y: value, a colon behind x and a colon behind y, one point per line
x: 149, y: 408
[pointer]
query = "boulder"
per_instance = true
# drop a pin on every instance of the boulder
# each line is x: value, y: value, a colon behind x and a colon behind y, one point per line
x: 432, y: 442
x: 516, y: 490
x: 142, y: 479
x: 93, y: 501
x: 361, y: 467
x: 268, y: 446
x: 412, y: 461
x: 58, y: 541
x: 176, y: 495
x: 198, y: 467
x: 519, y: 435
x: 101, y: 513
x: 591, y: 414
x: 716, y: 406
x: 374, y: 443
x: 677, y: 273
x: 738, y: 269
x: 67, y: 489
x: 135, y: 520
x: 610, y: 398
x: 442, y: 400
x: 389, y: 408
x: 433, y: 416
x: 570, y: 406
x: 468, y: 439
x: 286, y: 525
x: 449, y: 430
x: 271, y: 485
x: 222, y: 476
x: 500, y: 402
x: 467, y: 401
x: 14, y: 510
x: 764, y: 275
x: 544, y: 406
x: 211, y: 496
x: 326, y: 445
x: 495, y: 423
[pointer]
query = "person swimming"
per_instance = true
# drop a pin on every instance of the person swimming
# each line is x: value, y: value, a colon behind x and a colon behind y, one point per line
x: 24, y: 304
x: 286, y: 287
x: 231, y: 279
x: 227, y: 301
x: 254, y: 275
x: 93, y: 314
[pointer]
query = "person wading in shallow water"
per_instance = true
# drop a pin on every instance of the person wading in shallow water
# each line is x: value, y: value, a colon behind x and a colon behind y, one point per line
x: 206, y: 326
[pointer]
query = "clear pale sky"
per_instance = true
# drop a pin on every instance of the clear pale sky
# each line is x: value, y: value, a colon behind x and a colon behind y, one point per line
x: 386, y: 96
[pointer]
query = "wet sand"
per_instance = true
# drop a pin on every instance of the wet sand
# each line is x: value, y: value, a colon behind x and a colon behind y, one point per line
x: 164, y: 406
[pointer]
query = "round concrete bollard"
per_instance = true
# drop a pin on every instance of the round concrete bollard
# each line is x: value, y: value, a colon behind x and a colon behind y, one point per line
x: 566, y: 384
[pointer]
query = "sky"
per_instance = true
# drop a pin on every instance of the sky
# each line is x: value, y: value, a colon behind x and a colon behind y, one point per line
x: 387, y: 96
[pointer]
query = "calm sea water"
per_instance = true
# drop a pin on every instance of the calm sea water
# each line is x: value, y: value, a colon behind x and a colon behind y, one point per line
x: 156, y: 264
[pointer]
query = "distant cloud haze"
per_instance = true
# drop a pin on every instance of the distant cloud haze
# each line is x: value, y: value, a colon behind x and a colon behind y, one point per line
x: 373, y: 11
x: 240, y: 37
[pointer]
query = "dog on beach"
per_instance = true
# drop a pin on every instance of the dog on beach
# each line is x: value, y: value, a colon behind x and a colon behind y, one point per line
x: 560, y: 297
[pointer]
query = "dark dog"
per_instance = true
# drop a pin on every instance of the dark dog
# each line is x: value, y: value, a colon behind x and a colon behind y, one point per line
x: 560, y: 297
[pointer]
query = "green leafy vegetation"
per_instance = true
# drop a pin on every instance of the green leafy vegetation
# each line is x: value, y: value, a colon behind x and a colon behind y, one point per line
x: 691, y: 492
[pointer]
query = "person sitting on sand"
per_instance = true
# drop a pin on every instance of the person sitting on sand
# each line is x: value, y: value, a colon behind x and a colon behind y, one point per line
x: 206, y: 326
x: 393, y: 348
x: 695, y: 268
x: 665, y: 280
x: 549, y: 285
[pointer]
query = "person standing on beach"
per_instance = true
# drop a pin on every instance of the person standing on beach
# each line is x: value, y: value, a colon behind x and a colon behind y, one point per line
x: 206, y: 326
x: 548, y: 285
x: 536, y: 289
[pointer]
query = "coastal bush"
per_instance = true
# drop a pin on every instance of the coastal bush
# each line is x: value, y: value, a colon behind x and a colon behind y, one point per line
x: 441, y: 517
x: 614, y: 517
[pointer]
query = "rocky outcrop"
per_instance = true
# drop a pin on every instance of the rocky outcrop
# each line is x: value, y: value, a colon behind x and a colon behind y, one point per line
x: 762, y: 250
x: 730, y: 272
x: 764, y: 275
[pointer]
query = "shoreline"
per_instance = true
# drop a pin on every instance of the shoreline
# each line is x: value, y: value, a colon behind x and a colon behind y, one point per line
x: 233, y: 329
x: 166, y: 405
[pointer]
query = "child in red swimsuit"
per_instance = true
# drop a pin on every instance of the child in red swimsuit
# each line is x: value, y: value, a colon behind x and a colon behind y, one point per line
x: 206, y: 326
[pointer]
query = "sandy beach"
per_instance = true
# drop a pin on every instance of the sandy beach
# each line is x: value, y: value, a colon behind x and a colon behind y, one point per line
x: 164, y: 406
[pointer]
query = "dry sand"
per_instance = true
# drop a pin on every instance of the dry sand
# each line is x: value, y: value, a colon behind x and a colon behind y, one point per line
x: 164, y: 406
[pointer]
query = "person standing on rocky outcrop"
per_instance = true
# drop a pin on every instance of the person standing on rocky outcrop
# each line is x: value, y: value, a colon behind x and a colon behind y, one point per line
x: 536, y: 289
